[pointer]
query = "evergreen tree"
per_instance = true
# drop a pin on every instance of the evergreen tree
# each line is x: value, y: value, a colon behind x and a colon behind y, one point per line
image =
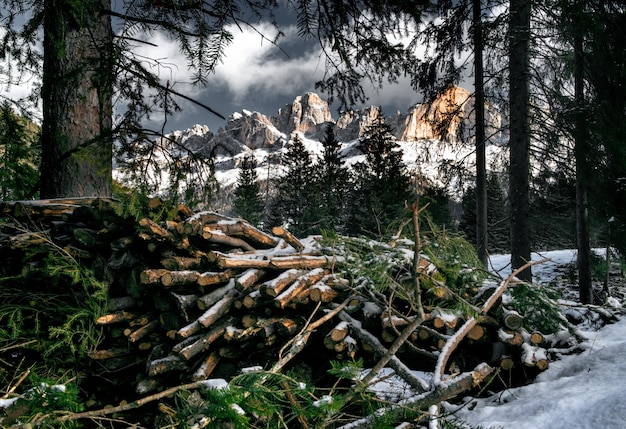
x: 294, y: 203
x: 519, y: 134
x: 248, y: 203
x: 333, y: 183
x: 19, y: 156
x: 87, y: 64
x: 382, y: 185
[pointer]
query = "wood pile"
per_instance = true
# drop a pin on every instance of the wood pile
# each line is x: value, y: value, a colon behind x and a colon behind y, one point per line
x: 205, y: 295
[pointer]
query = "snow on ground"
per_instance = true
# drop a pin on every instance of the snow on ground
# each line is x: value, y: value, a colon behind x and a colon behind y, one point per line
x: 584, y: 391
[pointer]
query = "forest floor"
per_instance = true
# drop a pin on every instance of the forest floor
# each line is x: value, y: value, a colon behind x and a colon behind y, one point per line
x: 580, y: 391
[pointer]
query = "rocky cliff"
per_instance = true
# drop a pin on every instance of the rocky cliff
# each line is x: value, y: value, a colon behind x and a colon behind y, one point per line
x: 449, y: 117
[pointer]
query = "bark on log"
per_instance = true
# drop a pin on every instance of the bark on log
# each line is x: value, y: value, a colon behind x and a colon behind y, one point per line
x: 299, y: 285
x: 272, y: 288
x: 214, y: 296
x: 321, y: 292
x: 288, y: 237
x: 210, y: 278
x: 178, y: 278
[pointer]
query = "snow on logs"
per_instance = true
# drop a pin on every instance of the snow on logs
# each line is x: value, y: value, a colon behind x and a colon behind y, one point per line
x: 204, y: 294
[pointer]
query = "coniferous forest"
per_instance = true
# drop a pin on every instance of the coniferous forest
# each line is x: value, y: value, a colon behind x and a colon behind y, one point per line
x: 168, y: 299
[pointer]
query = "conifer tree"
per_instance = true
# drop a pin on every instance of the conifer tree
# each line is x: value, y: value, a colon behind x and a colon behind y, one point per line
x: 382, y: 185
x: 18, y: 156
x: 247, y: 194
x: 333, y: 183
x: 294, y: 203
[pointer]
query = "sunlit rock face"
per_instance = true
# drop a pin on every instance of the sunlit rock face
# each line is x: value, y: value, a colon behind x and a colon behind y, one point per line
x: 308, y: 114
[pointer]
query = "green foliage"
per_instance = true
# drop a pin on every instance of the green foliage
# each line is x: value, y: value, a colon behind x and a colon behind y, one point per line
x: 19, y: 156
x: 537, y: 304
x: 54, y: 301
x: 333, y: 182
x: 248, y: 204
x: 382, y: 185
x: 295, y: 203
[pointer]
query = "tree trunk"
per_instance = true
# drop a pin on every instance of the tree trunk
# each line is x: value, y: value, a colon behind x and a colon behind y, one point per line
x: 481, y: 162
x: 77, y: 99
x: 519, y: 138
x: 581, y: 151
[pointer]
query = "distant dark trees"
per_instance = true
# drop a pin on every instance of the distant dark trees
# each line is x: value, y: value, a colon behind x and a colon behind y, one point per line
x: 382, y: 185
x: 247, y: 202
x: 325, y: 195
x: 19, y: 156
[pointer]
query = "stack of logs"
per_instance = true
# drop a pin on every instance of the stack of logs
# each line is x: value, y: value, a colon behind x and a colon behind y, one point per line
x: 203, y: 295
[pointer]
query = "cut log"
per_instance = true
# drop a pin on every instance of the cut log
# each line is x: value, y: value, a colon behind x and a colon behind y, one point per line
x: 511, y: 338
x: 166, y: 364
x: 249, y: 278
x: 210, y: 278
x: 181, y: 263
x: 534, y: 356
x: 478, y: 332
x: 243, y: 229
x: 152, y: 276
x: 321, y: 292
x: 288, y: 237
x: 340, y: 331
x: 512, y: 320
x: 214, y: 296
x: 120, y: 316
x: 536, y: 338
x: 143, y: 331
x: 207, y: 367
x: 218, y: 309
x: 301, y: 262
x: 272, y: 288
x: 298, y: 286
x: 204, y: 341
x: 179, y: 278
x: 217, y: 236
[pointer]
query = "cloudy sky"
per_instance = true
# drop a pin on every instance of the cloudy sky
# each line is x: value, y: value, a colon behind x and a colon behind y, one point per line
x: 258, y: 76
x: 254, y: 75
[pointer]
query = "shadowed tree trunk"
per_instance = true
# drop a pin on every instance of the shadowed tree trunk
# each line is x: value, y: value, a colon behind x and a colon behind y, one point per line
x: 519, y: 140
x: 481, y: 162
x: 76, y: 93
x: 582, y: 152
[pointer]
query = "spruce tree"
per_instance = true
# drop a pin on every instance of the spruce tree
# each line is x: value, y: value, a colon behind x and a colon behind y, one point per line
x: 19, y: 156
x: 294, y: 203
x: 247, y: 194
x: 333, y: 183
x: 382, y: 185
